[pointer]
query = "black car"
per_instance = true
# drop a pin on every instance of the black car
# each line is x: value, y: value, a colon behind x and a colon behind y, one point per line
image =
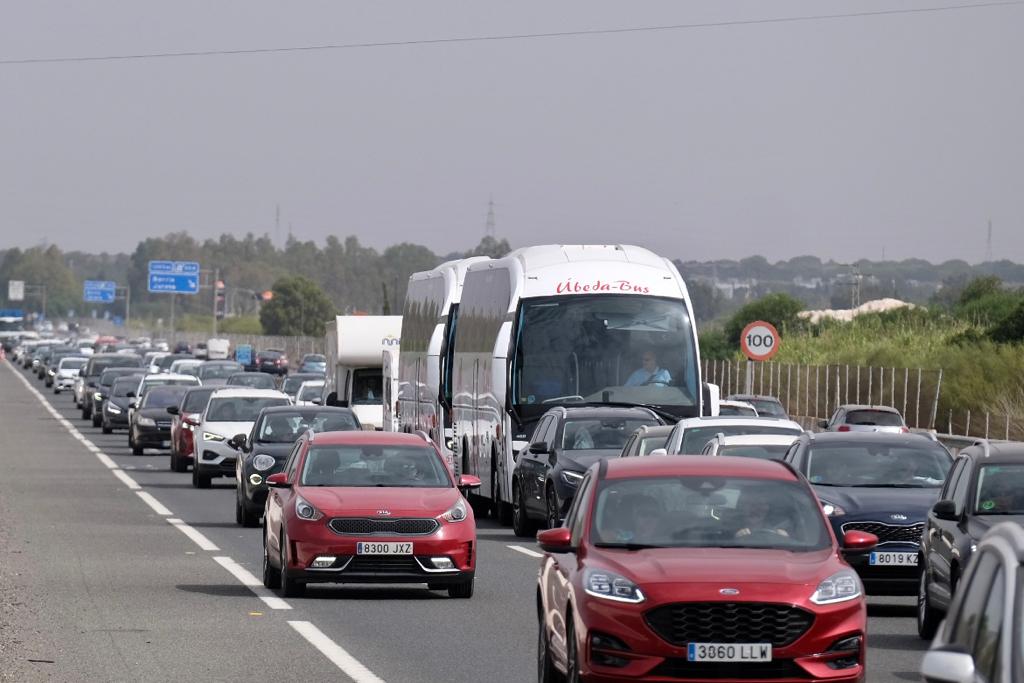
x: 216, y: 372
x: 267, y: 448
x: 114, y: 413
x: 165, y: 362
x: 881, y: 483
x: 150, y: 425
x: 94, y: 369
x: 766, y: 406
x: 101, y: 394
x: 985, y: 487
x: 273, y: 361
x: 291, y: 383
x: 253, y: 380
x: 565, y: 443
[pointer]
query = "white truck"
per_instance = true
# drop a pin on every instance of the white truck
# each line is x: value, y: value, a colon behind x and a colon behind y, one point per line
x: 355, y: 344
x: 217, y: 349
x: 429, y: 320
x: 566, y: 325
x: 389, y: 370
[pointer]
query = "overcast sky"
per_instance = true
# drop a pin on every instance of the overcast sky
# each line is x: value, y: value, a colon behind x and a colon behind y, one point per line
x: 838, y: 138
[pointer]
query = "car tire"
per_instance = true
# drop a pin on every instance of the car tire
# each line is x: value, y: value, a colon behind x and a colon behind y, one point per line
x: 928, y: 617
x: 243, y: 515
x: 56, y: 390
x: 546, y: 671
x: 97, y: 420
x: 107, y: 430
x: 462, y: 590
x: 500, y: 510
x: 271, y: 574
x: 522, y: 525
x: 572, y: 655
x: 86, y: 414
x: 198, y: 480
x: 551, y: 516
x: 290, y: 588
x: 178, y: 463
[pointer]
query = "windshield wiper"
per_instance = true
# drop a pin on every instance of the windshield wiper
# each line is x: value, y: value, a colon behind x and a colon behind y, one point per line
x: 629, y: 546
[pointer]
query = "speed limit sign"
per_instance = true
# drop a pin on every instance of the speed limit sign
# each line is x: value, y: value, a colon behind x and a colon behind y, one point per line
x: 759, y: 340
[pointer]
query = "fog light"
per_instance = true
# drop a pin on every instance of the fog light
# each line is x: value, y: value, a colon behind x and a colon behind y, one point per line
x: 255, y: 479
x: 442, y: 563
x: 848, y: 650
x: 324, y: 561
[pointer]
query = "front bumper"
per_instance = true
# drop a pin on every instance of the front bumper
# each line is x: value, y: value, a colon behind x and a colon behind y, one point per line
x: 153, y: 437
x: 214, y: 458
x: 115, y: 420
x: 887, y: 580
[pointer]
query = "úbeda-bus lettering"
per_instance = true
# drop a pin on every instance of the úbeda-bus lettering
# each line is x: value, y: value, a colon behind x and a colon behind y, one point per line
x: 572, y: 286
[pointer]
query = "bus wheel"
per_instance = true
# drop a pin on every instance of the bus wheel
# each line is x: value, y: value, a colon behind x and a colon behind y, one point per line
x: 501, y: 510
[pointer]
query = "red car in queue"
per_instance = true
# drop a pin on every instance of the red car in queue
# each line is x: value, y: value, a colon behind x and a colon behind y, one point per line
x: 184, y: 420
x: 368, y: 507
x: 689, y: 568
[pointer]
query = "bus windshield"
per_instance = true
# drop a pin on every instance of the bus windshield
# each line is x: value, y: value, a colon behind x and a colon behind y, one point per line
x: 604, y: 348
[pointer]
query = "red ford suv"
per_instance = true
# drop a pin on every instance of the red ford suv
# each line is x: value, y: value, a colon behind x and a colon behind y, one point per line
x: 368, y: 507
x: 698, y: 569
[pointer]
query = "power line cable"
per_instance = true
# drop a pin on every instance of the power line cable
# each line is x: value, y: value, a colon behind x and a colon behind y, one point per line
x: 513, y: 36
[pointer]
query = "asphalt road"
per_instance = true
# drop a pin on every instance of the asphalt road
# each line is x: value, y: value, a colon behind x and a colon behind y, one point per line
x: 96, y: 582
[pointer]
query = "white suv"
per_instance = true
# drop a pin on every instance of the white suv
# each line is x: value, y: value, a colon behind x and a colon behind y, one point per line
x: 230, y: 413
x: 690, y: 435
x: 67, y: 372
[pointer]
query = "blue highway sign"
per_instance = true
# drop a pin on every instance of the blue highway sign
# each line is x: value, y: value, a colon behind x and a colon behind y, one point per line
x: 174, y: 267
x: 243, y: 354
x: 99, y: 291
x: 174, y: 284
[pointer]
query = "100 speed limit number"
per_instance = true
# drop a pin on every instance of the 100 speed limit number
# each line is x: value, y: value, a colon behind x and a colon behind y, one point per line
x: 759, y: 340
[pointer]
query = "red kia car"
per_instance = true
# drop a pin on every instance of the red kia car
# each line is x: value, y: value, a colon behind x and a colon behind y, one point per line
x: 698, y: 569
x: 368, y: 507
x: 184, y: 420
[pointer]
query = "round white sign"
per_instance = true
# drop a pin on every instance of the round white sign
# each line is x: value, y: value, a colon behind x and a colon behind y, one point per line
x: 759, y: 340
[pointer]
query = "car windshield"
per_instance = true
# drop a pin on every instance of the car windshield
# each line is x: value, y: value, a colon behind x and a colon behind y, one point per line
x: 162, y: 397
x: 165, y: 362
x: 762, y: 452
x: 310, y: 392
x: 240, y: 408
x: 1000, y: 490
x: 98, y: 365
x: 314, y: 358
x: 175, y: 381
x: 876, y: 418
x: 878, y: 465
x: 196, y: 400
x: 374, y: 465
x: 123, y: 387
x: 650, y: 443
x: 737, y: 410
x: 72, y: 363
x: 615, y: 347
x: 767, y: 407
x: 708, y: 512
x: 600, y: 434
x: 695, y: 438
x: 292, y: 383
x: 367, y: 387
x: 256, y: 380
x: 110, y: 376
x: 218, y: 371
x: 285, y: 427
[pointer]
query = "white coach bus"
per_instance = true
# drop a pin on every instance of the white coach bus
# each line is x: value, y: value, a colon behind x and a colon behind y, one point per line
x: 429, y: 317
x: 569, y: 325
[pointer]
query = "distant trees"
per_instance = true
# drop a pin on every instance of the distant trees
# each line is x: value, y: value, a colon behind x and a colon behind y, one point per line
x: 778, y: 309
x: 299, y: 308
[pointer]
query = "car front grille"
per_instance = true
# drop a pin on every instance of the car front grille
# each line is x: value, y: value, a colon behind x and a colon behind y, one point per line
x: 163, y: 425
x: 729, y: 622
x: 365, y: 526
x: 383, y: 564
x: 889, y: 533
x: 709, y: 671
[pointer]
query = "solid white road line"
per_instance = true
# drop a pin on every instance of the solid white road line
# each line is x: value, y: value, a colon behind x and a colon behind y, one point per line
x: 246, y: 578
x: 152, y: 502
x: 106, y: 460
x: 202, y: 541
x: 334, y: 652
x: 525, y: 551
x: 128, y: 481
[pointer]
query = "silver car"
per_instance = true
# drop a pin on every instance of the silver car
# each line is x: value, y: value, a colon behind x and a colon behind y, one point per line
x: 863, y: 418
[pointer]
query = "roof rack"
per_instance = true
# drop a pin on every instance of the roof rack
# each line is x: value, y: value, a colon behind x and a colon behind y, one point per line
x: 986, y: 448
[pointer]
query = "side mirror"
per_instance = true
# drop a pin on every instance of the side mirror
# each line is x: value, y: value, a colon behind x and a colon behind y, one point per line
x: 173, y: 410
x: 858, y: 542
x: 823, y: 424
x: 133, y: 404
x: 557, y: 540
x: 237, y: 441
x: 658, y: 451
x: 278, y: 481
x: 131, y: 394
x: 317, y: 401
x: 947, y: 665
x: 467, y: 482
x: 945, y: 509
x: 539, y: 448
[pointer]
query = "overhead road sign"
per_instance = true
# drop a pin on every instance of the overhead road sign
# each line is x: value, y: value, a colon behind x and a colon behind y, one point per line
x: 99, y: 291
x: 174, y: 284
x: 174, y: 267
x: 759, y: 340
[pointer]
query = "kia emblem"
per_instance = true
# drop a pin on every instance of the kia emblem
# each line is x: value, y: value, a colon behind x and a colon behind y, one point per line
x: 729, y: 591
x: 384, y: 513
x: 898, y: 517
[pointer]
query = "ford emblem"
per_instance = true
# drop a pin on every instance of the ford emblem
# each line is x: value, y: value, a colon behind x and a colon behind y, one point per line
x: 384, y: 513
x: 729, y: 591
x: 898, y: 517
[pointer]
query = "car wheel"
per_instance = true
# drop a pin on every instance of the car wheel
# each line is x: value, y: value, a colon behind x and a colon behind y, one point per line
x: 271, y: 575
x: 500, y: 510
x: 56, y: 390
x: 107, y: 430
x: 522, y: 525
x: 243, y: 514
x: 461, y: 590
x: 928, y: 617
x: 572, y: 656
x: 554, y: 520
x: 178, y: 463
x: 198, y: 480
x: 97, y: 420
x: 86, y: 414
x: 546, y: 671
x: 290, y: 588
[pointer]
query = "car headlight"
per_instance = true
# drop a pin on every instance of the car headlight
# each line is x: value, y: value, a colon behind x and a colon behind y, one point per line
x: 305, y: 510
x: 840, y: 587
x: 457, y: 512
x: 831, y: 509
x: 571, y: 478
x: 113, y: 409
x: 611, y: 586
x: 210, y: 436
x: 146, y: 422
x: 98, y: 396
x: 51, y: 373
x: 263, y: 462
x: 974, y: 547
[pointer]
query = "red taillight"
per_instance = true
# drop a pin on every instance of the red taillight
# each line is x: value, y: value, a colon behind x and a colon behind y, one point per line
x: 843, y: 428
x: 905, y: 430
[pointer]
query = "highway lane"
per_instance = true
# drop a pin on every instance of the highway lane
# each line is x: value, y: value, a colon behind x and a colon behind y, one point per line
x: 409, y: 634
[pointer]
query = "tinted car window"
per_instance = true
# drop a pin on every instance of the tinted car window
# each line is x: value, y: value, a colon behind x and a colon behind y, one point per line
x: 256, y: 380
x: 124, y: 386
x: 218, y: 371
x: 310, y: 392
x: 972, y: 609
x: 761, y: 452
x: 162, y: 397
x: 240, y: 409
x: 72, y: 363
x: 367, y: 387
x: 282, y: 427
x: 694, y: 438
x: 737, y: 410
x: 599, y: 433
x: 650, y: 443
x: 880, y: 418
x: 986, y: 645
x: 96, y: 366
x: 765, y: 407
x: 1000, y: 490
x: 402, y: 466
x: 877, y: 465
x: 196, y: 400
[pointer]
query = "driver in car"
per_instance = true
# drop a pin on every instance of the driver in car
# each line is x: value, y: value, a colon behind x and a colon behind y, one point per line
x: 758, y: 517
x: 649, y: 373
